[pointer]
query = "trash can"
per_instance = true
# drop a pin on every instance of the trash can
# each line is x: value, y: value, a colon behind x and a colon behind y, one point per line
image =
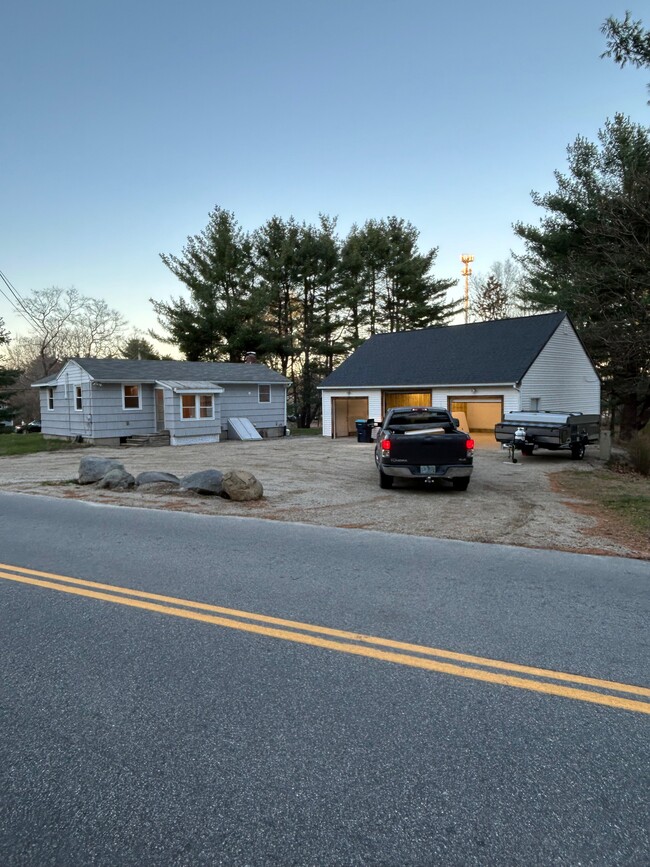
x: 364, y: 430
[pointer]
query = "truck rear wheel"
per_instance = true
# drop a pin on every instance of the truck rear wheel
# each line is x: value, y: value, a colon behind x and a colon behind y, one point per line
x: 527, y: 450
x: 385, y: 481
x: 577, y: 452
x: 461, y: 484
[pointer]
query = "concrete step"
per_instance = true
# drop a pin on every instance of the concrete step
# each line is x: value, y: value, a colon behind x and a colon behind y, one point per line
x: 146, y: 440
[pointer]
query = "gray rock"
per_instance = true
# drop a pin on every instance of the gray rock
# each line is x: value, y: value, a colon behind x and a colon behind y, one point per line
x: 203, y: 482
x: 93, y: 468
x: 154, y: 476
x: 117, y: 479
x: 241, y: 485
x: 158, y: 488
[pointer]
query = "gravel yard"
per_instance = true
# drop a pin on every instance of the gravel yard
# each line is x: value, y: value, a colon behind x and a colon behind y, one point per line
x: 334, y: 482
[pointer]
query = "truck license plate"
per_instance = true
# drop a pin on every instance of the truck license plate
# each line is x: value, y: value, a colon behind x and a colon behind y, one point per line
x: 429, y: 470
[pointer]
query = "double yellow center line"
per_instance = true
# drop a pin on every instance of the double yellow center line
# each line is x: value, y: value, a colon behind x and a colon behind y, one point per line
x: 557, y: 683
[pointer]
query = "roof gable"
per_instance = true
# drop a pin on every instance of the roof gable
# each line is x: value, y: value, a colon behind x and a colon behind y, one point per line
x: 481, y: 353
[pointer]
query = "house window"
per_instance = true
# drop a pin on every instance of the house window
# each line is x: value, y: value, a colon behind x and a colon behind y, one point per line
x: 264, y: 393
x: 78, y: 401
x: 131, y: 395
x: 50, y: 398
x: 197, y: 406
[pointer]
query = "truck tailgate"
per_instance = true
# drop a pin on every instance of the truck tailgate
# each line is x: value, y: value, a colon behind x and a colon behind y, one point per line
x: 427, y: 449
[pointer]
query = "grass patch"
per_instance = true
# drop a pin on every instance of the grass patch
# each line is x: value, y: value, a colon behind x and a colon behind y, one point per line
x: 29, y: 444
x: 619, y: 498
x: 635, y: 509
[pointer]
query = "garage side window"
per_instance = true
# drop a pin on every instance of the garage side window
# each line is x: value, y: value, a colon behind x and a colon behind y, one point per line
x: 131, y: 396
x: 197, y: 406
x: 50, y: 398
x: 78, y: 400
x: 264, y: 393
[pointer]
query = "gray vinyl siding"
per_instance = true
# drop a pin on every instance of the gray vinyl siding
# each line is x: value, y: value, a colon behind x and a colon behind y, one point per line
x: 241, y: 401
x: 109, y: 417
x: 562, y: 376
x: 64, y: 419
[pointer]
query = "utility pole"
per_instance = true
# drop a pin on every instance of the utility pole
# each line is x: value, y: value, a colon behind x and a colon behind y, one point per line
x: 466, y: 258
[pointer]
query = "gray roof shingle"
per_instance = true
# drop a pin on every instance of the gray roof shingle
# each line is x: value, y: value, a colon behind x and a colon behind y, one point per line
x: 479, y: 353
x: 124, y: 370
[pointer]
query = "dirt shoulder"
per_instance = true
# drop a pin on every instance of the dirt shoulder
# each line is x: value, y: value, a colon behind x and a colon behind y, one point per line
x: 334, y: 483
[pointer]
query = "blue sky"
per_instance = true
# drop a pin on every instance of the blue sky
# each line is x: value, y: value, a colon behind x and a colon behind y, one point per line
x: 125, y: 123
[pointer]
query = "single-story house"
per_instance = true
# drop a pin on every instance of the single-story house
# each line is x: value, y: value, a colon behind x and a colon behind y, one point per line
x: 481, y: 370
x: 109, y: 401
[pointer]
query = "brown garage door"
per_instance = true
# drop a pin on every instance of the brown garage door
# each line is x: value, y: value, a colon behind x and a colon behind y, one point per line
x: 345, y: 411
x: 406, y: 398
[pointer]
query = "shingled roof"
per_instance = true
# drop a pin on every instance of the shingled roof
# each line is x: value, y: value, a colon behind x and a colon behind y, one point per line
x: 481, y: 353
x: 124, y: 370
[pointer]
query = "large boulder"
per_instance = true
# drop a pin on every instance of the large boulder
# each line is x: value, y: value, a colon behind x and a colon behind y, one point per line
x: 241, y: 485
x: 93, y: 468
x: 203, y: 482
x: 117, y: 479
x: 154, y: 477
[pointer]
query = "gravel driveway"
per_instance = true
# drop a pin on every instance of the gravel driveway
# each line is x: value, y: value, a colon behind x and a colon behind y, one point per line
x: 334, y: 482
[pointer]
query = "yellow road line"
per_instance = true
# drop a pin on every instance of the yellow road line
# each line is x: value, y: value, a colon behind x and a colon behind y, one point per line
x: 354, y: 649
x: 349, y: 636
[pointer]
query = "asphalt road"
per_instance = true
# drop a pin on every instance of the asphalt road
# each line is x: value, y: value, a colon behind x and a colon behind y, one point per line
x: 137, y: 730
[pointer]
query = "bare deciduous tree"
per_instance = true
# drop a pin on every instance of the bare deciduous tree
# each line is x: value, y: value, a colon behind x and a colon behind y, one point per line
x: 65, y: 324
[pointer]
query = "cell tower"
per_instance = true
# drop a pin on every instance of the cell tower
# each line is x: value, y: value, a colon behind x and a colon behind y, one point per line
x: 466, y: 258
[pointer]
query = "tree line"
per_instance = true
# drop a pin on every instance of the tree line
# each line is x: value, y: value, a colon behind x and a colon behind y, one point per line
x: 298, y: 295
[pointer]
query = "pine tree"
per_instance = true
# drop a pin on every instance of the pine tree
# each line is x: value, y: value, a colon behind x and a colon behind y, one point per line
x: 590, y: 256
x: 8, y: 378
x: 222, y: 316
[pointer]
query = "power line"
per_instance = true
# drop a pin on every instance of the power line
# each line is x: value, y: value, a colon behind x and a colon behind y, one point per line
x: 18, y: 305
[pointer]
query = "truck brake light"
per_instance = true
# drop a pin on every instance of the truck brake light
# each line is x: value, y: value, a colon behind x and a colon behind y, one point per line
x: 385, y: 445
x: 469, y: 445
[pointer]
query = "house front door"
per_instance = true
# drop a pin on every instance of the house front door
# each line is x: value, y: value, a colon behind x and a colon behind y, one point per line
x: 160, y: 409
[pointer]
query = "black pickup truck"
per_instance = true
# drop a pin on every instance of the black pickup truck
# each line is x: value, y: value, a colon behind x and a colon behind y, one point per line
x: 423, y: 443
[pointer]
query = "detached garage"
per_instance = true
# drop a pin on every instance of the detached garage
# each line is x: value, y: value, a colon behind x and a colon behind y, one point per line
x: 478, y: 371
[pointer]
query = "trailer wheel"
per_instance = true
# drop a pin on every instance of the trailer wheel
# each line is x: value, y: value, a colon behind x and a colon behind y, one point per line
x: 384, y: 480
x: 461, y: 484
x: 577, y: 452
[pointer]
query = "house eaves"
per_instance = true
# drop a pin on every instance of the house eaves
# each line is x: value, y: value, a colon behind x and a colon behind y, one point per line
x: 414, y: 387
